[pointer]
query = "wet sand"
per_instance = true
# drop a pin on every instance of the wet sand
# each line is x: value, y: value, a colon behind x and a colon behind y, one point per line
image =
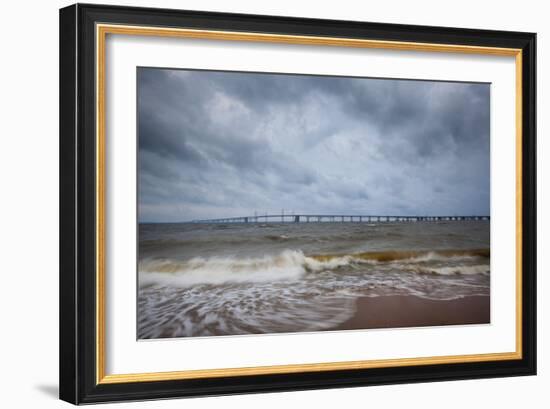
x: 411, y: 311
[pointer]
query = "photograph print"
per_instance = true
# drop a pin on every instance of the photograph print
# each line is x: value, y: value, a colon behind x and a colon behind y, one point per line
x: 283, y: 203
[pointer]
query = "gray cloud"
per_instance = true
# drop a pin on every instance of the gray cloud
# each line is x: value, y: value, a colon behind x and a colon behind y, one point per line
x: 215, y: 144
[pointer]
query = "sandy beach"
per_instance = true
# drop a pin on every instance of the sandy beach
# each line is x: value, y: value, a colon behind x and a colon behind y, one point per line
x: 411, y: 311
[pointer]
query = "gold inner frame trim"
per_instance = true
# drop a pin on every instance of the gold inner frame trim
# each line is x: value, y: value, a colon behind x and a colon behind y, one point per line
x: 101, y: 32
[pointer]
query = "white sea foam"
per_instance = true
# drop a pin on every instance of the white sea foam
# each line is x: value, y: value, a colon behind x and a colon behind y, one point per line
x: 286, y: 266
x: 457, y: 270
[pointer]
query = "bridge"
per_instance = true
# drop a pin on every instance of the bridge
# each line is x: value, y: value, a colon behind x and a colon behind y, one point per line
x: 337, y: 218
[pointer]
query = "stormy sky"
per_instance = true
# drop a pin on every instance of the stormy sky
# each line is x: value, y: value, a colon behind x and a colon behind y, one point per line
x: 220, y: 144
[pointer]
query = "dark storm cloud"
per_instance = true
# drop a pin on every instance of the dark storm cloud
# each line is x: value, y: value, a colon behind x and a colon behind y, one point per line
x: 215, y: 144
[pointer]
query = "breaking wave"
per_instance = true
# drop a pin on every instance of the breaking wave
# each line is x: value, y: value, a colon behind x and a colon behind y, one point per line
x: 385, y: 256
x: 293, y: 264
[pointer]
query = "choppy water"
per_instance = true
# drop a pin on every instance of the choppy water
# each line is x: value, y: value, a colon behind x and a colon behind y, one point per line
x: 202, y: 280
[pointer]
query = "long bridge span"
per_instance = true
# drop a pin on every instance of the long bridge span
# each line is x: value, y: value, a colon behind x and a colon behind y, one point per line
x: 336, y: 218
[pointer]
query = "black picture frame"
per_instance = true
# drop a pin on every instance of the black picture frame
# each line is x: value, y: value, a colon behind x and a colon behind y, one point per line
x: 78, y: 235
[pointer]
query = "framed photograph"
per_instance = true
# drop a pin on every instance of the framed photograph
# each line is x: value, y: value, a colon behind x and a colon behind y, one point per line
x: 257, y: 203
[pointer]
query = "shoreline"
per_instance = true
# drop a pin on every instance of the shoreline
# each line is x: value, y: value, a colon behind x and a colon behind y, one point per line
x: 402, y: 311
